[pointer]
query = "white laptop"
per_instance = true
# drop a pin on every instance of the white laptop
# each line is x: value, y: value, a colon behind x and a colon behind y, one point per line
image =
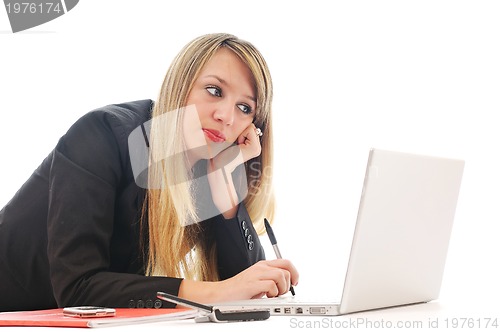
x: 400, y: 240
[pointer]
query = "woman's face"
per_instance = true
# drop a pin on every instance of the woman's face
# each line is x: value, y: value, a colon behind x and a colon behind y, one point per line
x: 225, y: 102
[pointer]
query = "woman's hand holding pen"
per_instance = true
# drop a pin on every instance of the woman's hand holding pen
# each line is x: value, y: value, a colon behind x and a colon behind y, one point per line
x: 269, y: 278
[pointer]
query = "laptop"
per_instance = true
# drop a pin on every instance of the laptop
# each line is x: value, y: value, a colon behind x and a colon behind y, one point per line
x: 400, y: 241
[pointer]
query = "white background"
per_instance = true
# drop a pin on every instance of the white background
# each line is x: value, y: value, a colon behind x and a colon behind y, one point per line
x: 414, y: 76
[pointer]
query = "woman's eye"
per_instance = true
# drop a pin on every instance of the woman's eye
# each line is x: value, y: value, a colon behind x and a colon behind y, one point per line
x: 214, y: 91
x: 245, y: 108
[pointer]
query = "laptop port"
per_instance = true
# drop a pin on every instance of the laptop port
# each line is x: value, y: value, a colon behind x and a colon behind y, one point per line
x: 288, y: 310
x: 317, y: 310
x: 299, y: 311
x: 277, y: 310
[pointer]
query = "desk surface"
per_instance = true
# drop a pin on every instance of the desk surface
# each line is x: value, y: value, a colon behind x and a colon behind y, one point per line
x: 427, y: 316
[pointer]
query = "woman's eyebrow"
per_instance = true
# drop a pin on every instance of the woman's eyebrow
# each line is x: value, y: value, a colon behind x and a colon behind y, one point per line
x: 222, y: 81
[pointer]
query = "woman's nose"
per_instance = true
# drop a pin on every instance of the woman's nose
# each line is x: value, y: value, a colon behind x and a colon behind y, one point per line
x: 224, y: 113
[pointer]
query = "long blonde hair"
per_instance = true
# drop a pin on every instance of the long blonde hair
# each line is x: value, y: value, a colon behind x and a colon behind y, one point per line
x: 174, y: 249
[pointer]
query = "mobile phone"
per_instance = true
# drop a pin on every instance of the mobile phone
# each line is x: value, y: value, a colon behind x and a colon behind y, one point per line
x: 211, y: 314
x: 89, y: 312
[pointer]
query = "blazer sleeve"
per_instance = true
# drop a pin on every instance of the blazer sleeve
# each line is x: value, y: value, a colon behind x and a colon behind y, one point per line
x: 238, y: 245
x: 83, y: 181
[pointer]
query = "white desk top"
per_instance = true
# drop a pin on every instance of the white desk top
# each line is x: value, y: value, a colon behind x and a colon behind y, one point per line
x: 433, y: 315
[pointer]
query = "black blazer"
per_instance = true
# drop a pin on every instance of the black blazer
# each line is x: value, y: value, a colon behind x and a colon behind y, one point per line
x: 70, y: 235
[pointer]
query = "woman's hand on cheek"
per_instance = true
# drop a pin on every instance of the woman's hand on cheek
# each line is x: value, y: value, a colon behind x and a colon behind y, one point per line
x: 248, y: 147
x: 249, y: 143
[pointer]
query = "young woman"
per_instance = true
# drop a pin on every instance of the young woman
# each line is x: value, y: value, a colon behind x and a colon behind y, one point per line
x: 86, y: 230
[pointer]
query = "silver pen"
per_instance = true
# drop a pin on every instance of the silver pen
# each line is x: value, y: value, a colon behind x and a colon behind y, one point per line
x: 270, y: 233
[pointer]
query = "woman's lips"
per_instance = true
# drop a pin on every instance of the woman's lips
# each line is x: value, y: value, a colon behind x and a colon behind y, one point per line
x: 214, y: 135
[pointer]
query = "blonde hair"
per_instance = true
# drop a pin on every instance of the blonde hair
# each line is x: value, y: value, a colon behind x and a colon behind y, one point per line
x: 175, y: 249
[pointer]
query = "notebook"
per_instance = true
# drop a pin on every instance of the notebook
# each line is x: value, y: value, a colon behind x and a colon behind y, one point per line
x: 400, y: 242
x: 124, y: 316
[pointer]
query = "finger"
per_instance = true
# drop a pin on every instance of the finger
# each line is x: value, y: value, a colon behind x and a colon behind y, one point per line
x: 269, y: 288
x: 264, y: 287
x: 286, y: 265
x: 246, y: 135
x: 254, y: 134
x: 242, y: 138
x: 280, y: 277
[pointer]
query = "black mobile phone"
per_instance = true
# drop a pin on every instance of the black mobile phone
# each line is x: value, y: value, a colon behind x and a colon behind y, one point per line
x: 89, y: 312
x: 211, y: 314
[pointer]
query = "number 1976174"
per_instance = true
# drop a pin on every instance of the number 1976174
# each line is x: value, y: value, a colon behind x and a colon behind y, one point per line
x: 33, y: 8
x: 470, y: 323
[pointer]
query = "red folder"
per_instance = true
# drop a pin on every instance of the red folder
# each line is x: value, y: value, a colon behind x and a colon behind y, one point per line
x: 55, y: 317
